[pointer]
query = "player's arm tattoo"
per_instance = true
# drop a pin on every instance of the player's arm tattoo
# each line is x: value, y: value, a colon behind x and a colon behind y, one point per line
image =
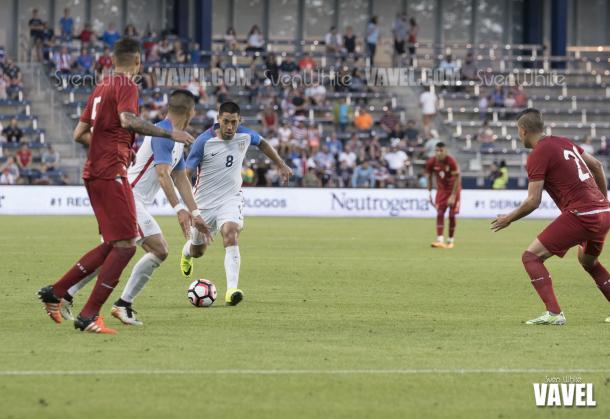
x: 133, y: 123
x: 270, y: 152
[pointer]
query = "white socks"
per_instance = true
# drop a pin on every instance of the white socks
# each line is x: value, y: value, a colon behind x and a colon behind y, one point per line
x: 450, y: 240
x: 80, y: 285
x: 139, y: 276
x: 440, y: 239
x: 232, y: 262
x: 186, y: 250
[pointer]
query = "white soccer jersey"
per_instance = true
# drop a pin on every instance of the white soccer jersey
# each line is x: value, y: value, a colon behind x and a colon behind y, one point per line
x: 218, y: 164
x: 154, y: 150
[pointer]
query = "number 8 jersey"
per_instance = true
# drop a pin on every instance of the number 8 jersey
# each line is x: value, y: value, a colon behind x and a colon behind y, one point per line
x: 218, y: 163
x: 567, y: 179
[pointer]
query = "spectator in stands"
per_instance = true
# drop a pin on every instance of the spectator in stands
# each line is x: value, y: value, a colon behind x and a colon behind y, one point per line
x: 284, y: 135
x: 372, y: 37
x: 499, y: 175
x: 256, y: 41
x: 36, y: 34
x: 399, y: 31
x: 311, y: 179
x: 49, y: 42
x: 587, y: 145
x: 520, y: 96
x: 390, y: 123
x: 343, y: 114
x: 13, y: 72
x: 231, y: 43
x: 288, y: 65
x: 9, y: 172
x: 486, y: 138
x: 66, y: 25
x: 24, y: 159
x: 111, y: 35
x: 194, y: 53
x: 3, y: 85
x: 364, y: 176
x: 348, y: 156
x: 363, y: 119
x: 428, y: 101
x: 333, y: 41
x: 85, y: 61
x: 130, y: 31
x: 87, y: 35
x: 412, y: 38
x: 13, y: 132
x: 431, y: 142
x: 165, y: 50
x: 179, y: 54
x: 411, y: 133
x: 334, y: 144
x: 469, y: 68
x: 307, y: 63
x: 381, y: 174
x: 483, y: 106
x: 272, y: 69
x: 269, y: 120
x: 510, y: 101
x: 63, y: 60
x: 396, y: 158
x: 50, y: 157
x: 316, y: 93
x: 448, y: 66
x: 104, y: 63
x: 357, y: 84
x: 497, y: 97
x: 349, y: 41
x: 422, y: 180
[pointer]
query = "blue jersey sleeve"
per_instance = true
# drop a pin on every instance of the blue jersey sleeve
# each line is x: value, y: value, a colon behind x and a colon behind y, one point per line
x: 162, y: 150
x: 255, y: 137
x: 196, y: 154
x: 181, y: 165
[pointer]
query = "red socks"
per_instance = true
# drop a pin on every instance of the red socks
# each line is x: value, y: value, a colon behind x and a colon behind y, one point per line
x: 107, y: 279
x: 601, y: 277
x: 452, y: 224
x: 87, y: 264
x: 440, y: 223
x: 541, y: 280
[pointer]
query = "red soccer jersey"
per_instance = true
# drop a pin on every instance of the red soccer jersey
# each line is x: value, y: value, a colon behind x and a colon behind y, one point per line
x: 110, y: 149
x: 567, y: 179
x: 443, y: 170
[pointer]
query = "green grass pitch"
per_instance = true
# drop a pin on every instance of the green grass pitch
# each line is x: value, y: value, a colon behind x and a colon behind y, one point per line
x: 342, y: 318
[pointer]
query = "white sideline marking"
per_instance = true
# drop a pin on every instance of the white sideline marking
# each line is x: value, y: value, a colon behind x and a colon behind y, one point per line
x: 431, y: 371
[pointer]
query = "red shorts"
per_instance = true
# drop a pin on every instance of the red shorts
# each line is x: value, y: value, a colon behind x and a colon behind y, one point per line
x: 114, y: 207
x: 442, y: 202
x: 570, y: 229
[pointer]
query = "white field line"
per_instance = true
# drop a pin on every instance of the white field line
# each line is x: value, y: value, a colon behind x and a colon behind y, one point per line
x: 422, y: 371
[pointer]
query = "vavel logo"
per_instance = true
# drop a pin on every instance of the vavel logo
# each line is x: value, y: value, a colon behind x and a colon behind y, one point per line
x: 564, y: 394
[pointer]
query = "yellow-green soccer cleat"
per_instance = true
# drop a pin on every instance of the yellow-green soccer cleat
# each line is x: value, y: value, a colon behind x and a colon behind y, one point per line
x: 233, y: 296
x: 548, y: 318
x: 186, y: 266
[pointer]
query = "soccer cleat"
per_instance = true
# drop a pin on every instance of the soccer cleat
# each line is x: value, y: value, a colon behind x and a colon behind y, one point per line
x: 548, y: 318
x: 93, y: 325
x: 66, y: 309
x: 52, y: 304
x: 126, y: 315
x: 608, y: 320
x: 186, y: 266
x: 233, y: 296
x: 449, y: 246
x: 438, y: 245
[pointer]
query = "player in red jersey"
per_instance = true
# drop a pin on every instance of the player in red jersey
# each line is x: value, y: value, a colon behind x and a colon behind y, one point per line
x: 448, y: 187
x: 107, y: 125
x: 576, y: 182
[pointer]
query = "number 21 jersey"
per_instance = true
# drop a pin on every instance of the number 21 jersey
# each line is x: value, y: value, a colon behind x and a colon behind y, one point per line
x: 567, y: 179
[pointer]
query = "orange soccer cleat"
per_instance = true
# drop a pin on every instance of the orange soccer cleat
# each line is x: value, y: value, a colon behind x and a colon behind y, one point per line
x: 438, y: 245
x: 93, y: 325
x: 52, y: 304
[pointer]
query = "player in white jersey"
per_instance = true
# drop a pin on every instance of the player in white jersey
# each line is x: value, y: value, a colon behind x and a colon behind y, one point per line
x: 217, y: 156
x: 159, y: 164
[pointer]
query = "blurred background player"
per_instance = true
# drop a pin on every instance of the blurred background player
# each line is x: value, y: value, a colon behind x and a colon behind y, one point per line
x: 577, y: 183
x: 159, y: 164
x: 217, y: 156
x: 448, y: 187
x: 107, y: 125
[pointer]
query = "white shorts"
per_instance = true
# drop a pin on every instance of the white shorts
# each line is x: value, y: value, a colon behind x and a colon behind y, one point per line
x: 147, y: 225
x: 231, y: 211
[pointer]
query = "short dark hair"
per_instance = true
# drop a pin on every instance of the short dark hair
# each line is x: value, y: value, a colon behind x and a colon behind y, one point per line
x: 440, y: 144
x: 181, y: 101
x: 530, y: 119
x: 125, y: 50
x: 229, y: 107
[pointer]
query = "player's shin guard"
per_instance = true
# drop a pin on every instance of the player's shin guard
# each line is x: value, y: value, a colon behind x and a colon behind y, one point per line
x: 452, y: 224
x: 140, y: 275
x: 83, y: 268
x: 601, y: 277
x: 109, y: 276
x: 541, y: 281
x: 440, y: 223
x: 232, y: 264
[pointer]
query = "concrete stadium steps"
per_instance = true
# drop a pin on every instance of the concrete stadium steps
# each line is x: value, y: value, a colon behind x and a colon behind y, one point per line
x: 504, y: 128
x: 462, y: 100
x: 550, y: 115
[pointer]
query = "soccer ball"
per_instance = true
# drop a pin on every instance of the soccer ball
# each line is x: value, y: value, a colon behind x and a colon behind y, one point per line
x: 201, y: 293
